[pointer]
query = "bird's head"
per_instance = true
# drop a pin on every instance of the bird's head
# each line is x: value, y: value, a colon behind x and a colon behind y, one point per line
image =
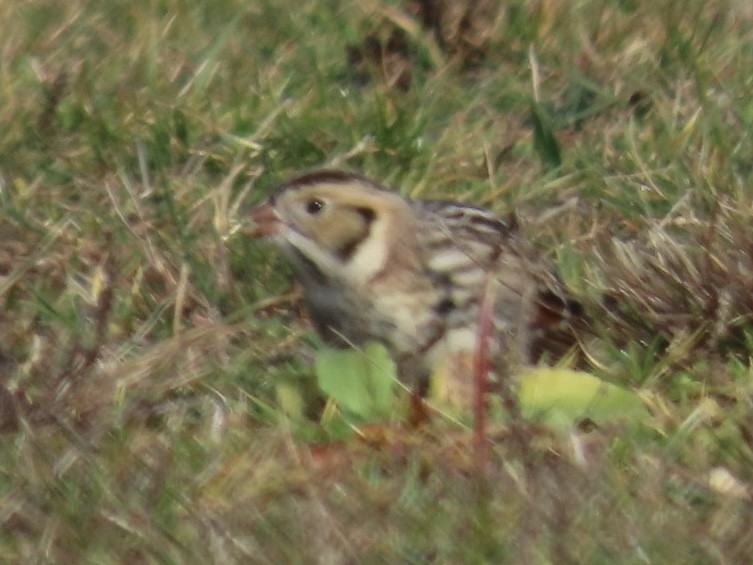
x: 340, y: 222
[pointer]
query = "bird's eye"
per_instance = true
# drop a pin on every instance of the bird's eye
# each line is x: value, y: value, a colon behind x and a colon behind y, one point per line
x: 314, y: 206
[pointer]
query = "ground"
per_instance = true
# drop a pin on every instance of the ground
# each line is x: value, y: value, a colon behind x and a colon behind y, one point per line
x: 157, y: 393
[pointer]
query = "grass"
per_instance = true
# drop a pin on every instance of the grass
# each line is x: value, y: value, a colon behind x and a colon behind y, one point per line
x: 142, y: 352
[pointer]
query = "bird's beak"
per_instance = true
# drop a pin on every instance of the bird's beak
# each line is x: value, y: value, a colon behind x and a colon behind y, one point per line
x: 263, y: 221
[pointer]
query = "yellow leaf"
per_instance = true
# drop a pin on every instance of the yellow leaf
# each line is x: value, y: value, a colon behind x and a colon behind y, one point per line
x: 561, y: 397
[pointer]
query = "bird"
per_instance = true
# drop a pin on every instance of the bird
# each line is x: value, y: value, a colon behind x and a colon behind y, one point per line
x: 413, y: 274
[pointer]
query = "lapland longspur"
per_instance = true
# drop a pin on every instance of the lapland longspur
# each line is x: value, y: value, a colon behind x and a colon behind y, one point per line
x: 412, y: 274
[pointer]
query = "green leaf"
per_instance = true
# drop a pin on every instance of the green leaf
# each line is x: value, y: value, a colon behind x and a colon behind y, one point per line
x: 561, y: 397
x: 361, y: 382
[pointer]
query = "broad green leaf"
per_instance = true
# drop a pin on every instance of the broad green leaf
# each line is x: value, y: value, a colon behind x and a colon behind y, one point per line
x: 560, y: 397
x: 361, y: 382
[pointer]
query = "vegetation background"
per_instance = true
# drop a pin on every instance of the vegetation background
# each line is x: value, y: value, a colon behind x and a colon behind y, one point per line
x: 155, y: 372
